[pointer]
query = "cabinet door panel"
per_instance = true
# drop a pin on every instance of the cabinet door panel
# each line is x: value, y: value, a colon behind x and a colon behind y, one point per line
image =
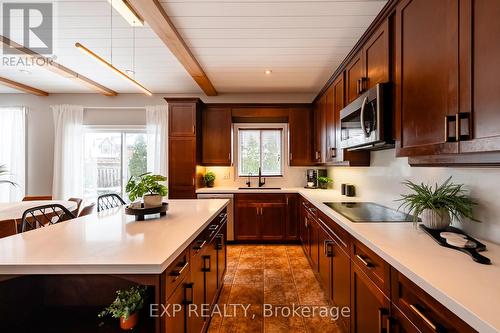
x: 182, y: 119
x: 301, y: 129
x: 353, y: 74
x: 314, y: 242
x: 216, y: 136
x: 325, y: 253
x: 246, y: 226
x: 376, y: 57
x: 330, y: 116
x: 319, y: 142
x: 177, y: 321
x: 292, y: 219
x: 485, y: 83
x: 196, y: 323
x: 370, y: 308
x: 210, y: 269
x: 272, y: 220
x: 426, y: 75
x: 182, y: 152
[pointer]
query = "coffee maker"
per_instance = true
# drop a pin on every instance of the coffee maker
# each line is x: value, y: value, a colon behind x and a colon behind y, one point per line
x: 312, y: 176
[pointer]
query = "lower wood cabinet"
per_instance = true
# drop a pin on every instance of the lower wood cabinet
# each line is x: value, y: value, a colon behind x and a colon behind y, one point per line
x: 370, y: 308
x: 260, y: 217
x: 196, y: 278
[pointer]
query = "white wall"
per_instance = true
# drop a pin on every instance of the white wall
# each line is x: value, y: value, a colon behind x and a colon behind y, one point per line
x: 381, y: 182
x: 40, y: 127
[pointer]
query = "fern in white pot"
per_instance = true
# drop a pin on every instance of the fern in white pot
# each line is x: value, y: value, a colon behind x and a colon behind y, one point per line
x: 437, y: 205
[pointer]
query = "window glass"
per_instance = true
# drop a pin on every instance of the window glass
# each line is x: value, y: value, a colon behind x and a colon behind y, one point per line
x: 260, y: 148
x: 110, y: 158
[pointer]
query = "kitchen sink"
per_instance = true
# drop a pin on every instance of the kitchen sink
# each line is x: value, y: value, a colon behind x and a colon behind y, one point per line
x: 259, y: 188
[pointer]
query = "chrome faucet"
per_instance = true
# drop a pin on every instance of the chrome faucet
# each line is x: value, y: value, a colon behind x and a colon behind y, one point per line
x: 262, y: 181
x: 248, y: 182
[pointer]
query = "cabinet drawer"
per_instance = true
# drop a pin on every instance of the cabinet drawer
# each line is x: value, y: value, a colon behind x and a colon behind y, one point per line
x: 216, y: 223
x: 341, y: 237
x: 176, y: 272
x: 309, y: 207
x: 422, y: 309
x: 375, y: 267
x: 260, y: 198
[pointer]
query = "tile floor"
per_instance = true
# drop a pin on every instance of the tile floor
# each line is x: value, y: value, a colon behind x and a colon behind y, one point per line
x: 278, y: 275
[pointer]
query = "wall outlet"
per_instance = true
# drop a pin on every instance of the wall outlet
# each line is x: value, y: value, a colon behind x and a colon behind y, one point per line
x: 227, y: 175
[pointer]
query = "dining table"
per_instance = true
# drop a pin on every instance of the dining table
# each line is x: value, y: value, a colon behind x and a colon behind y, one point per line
x: 11, y: 213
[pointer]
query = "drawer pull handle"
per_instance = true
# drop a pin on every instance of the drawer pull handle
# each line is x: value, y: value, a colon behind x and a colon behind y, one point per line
x: 190, y: 299
x: 381, y: 313
x: 213, y: 227
x: 178, y: 272
x: 366, y: 263
x: 328, y: 246
x: 199, y: 245
x: 207, y: 268
x: 423, y: 317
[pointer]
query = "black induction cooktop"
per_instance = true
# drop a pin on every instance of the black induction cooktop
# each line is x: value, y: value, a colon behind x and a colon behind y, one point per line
x: 360, y: 212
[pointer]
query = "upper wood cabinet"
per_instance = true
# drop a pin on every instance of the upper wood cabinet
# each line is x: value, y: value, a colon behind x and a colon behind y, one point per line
x: 183, y: 115
x: 371, y: 65
x: 354, y: 75
x: 300, y: 136
x: 426, y: 76
x: 319, y: 138
x: 330, y: 125
x: 216, y: 139
x: 479, y: 83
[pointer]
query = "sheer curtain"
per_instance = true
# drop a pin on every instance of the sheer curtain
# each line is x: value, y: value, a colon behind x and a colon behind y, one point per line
x: 157, y: 134
x: 13, y: 151
x: 68, y: 151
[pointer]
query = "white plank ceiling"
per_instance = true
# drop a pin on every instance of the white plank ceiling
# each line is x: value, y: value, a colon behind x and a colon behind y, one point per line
x: 235, y: 41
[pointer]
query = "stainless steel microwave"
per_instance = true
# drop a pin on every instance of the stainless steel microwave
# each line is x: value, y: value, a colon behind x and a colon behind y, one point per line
x: 366, y: 123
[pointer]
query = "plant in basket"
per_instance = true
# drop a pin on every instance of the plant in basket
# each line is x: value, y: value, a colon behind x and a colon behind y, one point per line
x: 126, y: 306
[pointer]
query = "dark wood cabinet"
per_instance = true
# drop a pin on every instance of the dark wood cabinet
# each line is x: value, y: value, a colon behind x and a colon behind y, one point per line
x: 177, y: 322
x: 370, y: 308
x: 330, y: 123
x: 353, y: 76
x: 182, y: 167
x: 304, y: 232
x: 184, y: 146
x: 400, y: 324
x: 423, y: 310
x: 325, y: 262
x: 426, y: 77
x: 216, y: 136
x: 260, y: 217
x: 292, y: 217
x: 182, y: 117
x: 479, y: 73
x: 314, y: 238
x: 196, y: 287
x: 376, y: 53
x: 341, y: 281
x: 301, y: 133
x: 319, y: 137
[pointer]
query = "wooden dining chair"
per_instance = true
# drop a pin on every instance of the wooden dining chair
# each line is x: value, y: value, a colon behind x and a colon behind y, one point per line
x: 108, y: 201
x: 78, y: 204
x: 87, y: 210
x: 41, y: 216
x: 37, y: 197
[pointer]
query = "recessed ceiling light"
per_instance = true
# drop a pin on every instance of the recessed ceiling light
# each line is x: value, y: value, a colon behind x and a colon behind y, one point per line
x: 268, y: 72
x: 25, y: 71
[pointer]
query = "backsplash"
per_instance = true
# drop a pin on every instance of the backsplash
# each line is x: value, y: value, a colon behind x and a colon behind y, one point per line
x: 381, y: 183
x: 225, y: 177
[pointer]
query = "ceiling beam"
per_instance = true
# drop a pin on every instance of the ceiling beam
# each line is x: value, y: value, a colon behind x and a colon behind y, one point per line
x: 58, y: 68
x: 153, y: 13
x: 22, y: 87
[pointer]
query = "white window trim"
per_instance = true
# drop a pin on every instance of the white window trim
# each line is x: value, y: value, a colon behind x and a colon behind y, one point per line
x: 284, y: 146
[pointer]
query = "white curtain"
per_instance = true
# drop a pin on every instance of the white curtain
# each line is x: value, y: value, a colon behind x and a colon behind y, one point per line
x: 157, y: 134
x: 13, y: 152
x: 68, y: 151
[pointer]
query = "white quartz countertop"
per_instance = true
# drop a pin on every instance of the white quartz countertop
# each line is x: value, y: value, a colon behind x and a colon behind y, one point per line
x: 468, y: 289
x: 109, y: 242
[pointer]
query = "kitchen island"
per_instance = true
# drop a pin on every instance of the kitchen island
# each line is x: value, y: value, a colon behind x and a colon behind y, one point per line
x: 58, y: 278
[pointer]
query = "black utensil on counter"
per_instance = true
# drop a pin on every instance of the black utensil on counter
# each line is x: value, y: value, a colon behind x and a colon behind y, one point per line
x: 472, y: 251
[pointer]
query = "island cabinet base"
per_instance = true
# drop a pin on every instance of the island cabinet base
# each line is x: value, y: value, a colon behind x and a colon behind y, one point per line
x: 173, y: 302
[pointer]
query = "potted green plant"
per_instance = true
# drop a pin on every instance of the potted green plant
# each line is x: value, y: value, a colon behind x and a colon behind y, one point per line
x: 209, y: 179
x: 148, y: 187
x: 436, y: 205
x: 126, y: 306
x: 323, y: 182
